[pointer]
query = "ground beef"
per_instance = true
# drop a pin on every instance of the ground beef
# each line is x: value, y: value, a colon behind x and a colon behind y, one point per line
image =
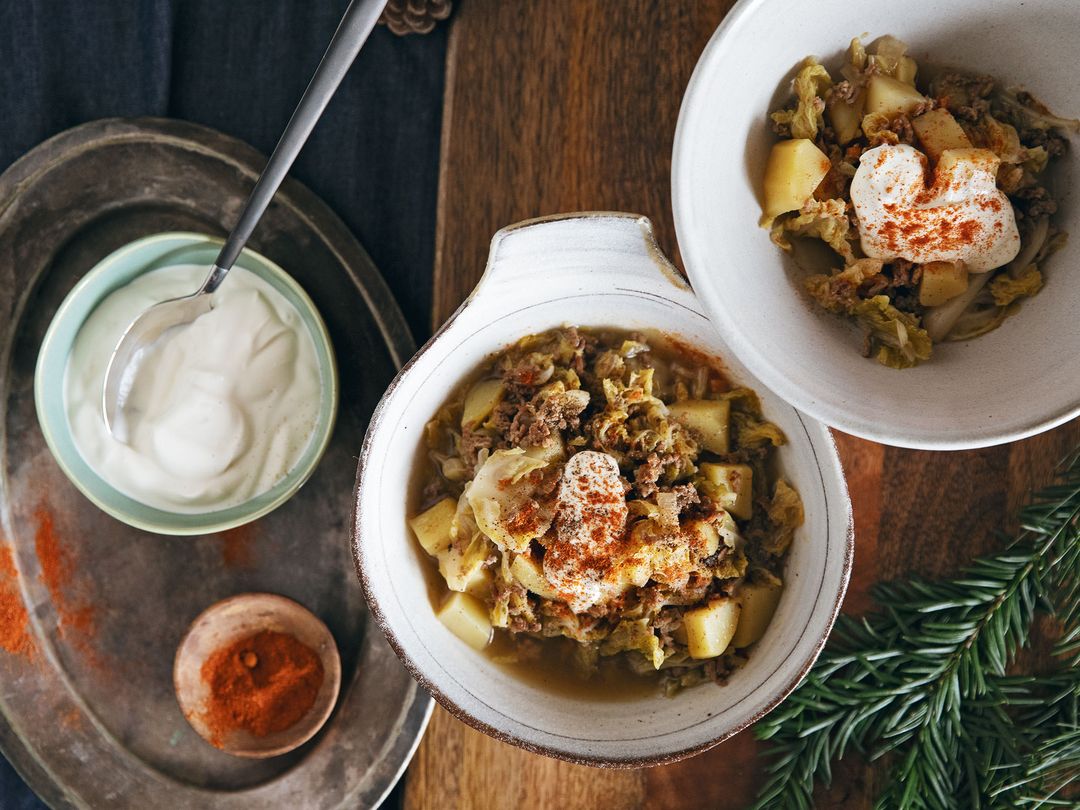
x: 521, y: 618
x: 648, y: 473
x: 693, y: 591
x: 963, y: 95
x: 1049, y: 140
x: 901, y: 126
x: 875, y: 285
x: 972, y: 112
x: 844, y: 91
x: 582, y: 345
x: 906, y: 300
x: 922, y: 107
x: 687, y: 496
x: 525, y: 374
x: 1034, y: 202
x: 669, y: 620
x: 524, y: 624
x: 502, y: 417
x: 651, y: 598
x: 472, y: 442
x: 835, y: 184
x: 538, y: 420
x: 903, y: 273
x: 839, y: 295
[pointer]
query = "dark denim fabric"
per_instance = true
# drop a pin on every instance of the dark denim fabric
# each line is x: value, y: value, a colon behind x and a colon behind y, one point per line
x: 240, y: 66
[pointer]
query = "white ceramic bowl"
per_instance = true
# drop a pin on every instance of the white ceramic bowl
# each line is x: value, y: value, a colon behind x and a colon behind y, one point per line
x: 587, y: 270
x: 1016, y: 381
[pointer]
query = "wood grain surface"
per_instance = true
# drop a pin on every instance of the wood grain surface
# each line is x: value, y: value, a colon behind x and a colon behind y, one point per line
x: 564, y: 106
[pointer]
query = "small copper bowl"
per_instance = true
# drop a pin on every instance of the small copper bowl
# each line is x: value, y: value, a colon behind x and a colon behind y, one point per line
x: 238, y: 617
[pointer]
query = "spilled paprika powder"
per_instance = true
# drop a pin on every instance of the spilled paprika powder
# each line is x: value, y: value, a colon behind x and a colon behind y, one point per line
x: 15, y: 635
x: 261, y: 684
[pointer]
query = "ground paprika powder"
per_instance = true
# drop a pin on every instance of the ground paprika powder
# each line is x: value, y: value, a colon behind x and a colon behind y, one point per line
x: 14, y: 621
x: 262, y: 684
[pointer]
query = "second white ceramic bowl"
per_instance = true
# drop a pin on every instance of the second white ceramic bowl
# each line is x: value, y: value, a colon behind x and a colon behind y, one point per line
x: 1019, y: 380
x: 588, y: 270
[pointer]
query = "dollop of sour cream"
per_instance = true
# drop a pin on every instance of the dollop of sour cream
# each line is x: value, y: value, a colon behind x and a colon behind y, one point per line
x: 590, y: 521
x: 218, y: 410
x: 961, y: 216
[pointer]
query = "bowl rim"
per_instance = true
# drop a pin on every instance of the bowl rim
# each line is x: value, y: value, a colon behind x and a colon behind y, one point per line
x: 363, y: 471
x: 299, y: 474
x: 759, y: 364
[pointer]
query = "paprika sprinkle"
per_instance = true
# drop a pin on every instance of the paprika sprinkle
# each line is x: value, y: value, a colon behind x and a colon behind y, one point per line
x: 261, y: 684
x: 58, y: 572
x: 14, y: 621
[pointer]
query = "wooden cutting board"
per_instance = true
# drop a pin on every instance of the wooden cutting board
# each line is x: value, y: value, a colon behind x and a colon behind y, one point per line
x: 564, y: 106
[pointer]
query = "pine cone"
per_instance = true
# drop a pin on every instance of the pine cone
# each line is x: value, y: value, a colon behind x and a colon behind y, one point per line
x: 414, y: 16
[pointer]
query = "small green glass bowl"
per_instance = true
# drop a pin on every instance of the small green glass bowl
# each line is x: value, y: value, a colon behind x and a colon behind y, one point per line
x: 114, y: 271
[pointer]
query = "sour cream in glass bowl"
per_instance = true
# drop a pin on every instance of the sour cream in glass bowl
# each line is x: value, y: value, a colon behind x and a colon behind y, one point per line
x: 226, y: 418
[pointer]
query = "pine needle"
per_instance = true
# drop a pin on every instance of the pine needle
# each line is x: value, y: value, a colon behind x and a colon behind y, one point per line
x: 924, y: 682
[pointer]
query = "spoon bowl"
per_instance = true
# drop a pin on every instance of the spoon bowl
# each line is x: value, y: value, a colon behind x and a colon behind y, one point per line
x: 136, y: 341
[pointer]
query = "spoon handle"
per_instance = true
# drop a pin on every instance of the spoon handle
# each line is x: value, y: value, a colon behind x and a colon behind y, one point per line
x: 352, y: 32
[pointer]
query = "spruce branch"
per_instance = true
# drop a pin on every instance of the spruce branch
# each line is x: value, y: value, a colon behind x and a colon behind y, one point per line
x: 924, y: 681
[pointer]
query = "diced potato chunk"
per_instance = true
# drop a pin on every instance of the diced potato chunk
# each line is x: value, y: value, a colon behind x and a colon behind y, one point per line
x: 481, y: 401
x: 710, y: 534
x: 890, y: 96
x: 709, y: 629
x: 758, y: 602
x: 795, y: 168
x: 707, y: 420
x: 460, y: 568
x: 530, y: 574
x: 941, y: 282
x: 845, y: 117
x: 937, y: 131
x: 479, y: 583
x: 731, y: 486
x: 906, y: 68
x: 432, y: 526
x: 467, y: 619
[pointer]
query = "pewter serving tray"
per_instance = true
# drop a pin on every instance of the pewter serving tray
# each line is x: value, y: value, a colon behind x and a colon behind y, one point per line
x: 89, y: 718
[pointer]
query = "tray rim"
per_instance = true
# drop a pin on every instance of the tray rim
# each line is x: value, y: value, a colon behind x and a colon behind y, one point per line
x: 317, y: 216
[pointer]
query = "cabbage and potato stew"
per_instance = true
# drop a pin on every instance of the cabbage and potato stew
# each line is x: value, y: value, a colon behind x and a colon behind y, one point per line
x: 599, y: 499
x: 931, y: 191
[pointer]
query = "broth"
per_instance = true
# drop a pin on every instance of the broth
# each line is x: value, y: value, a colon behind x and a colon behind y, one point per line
x: 550, y: 663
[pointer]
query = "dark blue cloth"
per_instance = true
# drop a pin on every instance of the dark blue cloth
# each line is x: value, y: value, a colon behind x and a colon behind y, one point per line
x: 240, y: 66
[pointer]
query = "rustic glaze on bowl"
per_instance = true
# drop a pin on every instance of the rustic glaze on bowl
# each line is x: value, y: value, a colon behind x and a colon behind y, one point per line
x: 1018, y: 380
x: 595, y: 270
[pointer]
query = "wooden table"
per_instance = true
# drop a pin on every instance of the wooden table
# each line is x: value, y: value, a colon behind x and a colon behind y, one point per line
x: 563, y: 106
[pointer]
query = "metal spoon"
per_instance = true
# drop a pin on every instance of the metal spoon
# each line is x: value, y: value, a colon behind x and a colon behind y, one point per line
x: 352, y: 32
